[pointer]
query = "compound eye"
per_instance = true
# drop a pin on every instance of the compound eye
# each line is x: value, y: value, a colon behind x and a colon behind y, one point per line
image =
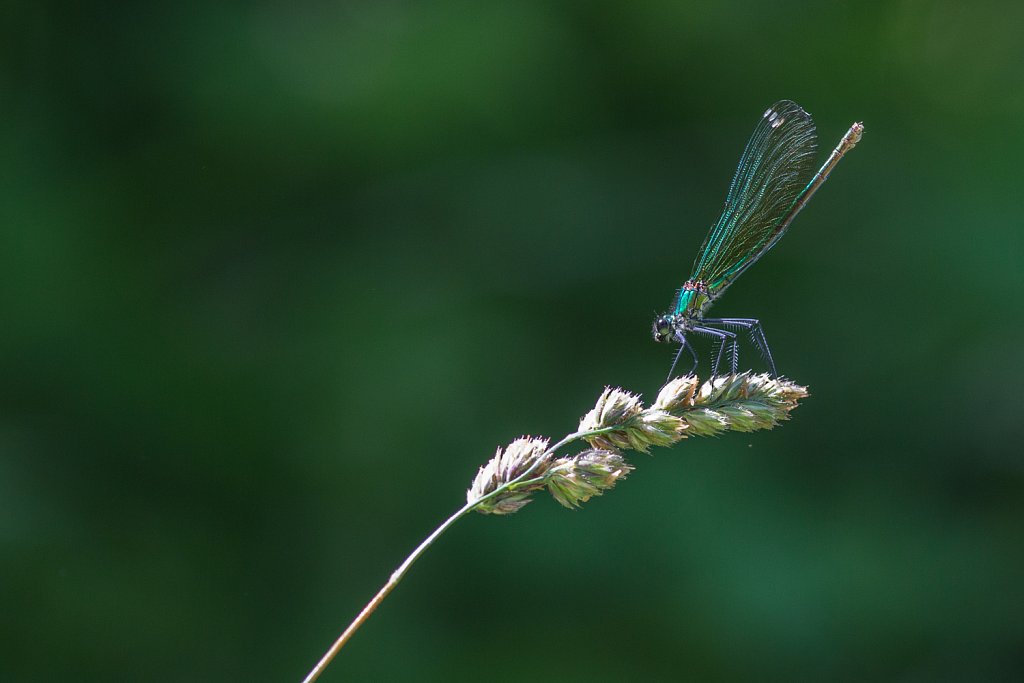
x: 662, y: 328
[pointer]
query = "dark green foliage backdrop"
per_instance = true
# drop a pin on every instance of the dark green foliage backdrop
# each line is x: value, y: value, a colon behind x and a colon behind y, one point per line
x: 276, y: 279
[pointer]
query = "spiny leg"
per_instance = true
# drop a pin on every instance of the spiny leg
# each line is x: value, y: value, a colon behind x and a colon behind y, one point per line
x: 683, y: 344
x: 753, y: 326
x: 724, y: 337
x: 733, y: 352
x: 756, y: 334
x: 693, y: 354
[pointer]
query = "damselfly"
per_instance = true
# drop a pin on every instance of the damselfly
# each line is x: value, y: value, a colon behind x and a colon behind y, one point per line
x: 773, y: 182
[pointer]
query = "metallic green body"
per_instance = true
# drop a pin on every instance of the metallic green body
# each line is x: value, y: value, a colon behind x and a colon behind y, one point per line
x: 691, y: 302
x: 774, y: 180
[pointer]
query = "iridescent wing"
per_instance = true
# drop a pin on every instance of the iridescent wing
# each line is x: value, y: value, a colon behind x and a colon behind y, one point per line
x: 776, y: 166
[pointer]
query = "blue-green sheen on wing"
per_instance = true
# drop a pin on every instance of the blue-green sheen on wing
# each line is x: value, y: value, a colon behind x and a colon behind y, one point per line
x: 776, y: 166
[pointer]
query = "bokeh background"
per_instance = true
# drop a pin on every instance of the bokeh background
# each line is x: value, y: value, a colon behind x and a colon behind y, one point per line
x: 276, y: 278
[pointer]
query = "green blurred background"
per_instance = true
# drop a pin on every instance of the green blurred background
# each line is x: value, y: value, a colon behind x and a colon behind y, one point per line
x: 275, y: 279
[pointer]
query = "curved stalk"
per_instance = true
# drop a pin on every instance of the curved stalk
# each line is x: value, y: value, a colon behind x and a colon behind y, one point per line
x: 397, y: 575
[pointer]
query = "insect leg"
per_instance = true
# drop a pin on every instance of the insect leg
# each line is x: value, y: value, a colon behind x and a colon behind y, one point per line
x: 753, y: 326
x: 723, y: 336
x: 683, y: 344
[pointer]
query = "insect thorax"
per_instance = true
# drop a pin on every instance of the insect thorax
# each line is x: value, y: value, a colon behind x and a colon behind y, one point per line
x: 692, y: 299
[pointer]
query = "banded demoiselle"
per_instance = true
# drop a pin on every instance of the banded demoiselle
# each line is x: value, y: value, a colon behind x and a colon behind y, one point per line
x: 773, y: 182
